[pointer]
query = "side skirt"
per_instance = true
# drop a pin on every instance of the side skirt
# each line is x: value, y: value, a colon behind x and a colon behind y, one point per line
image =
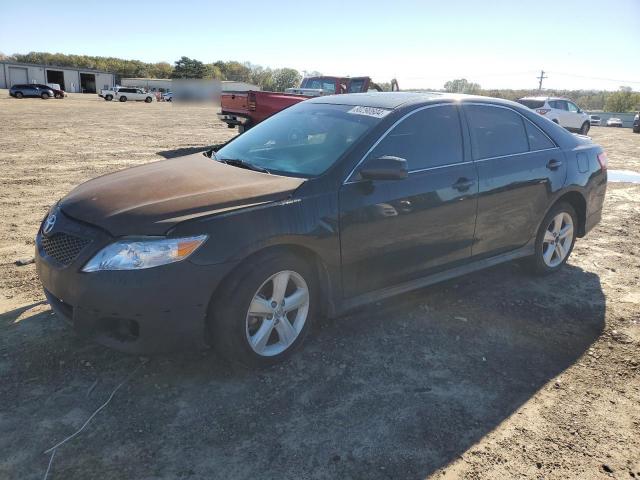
x: 474, y: 266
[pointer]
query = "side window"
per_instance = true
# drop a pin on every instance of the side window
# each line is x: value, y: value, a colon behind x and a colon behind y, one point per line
x: 562, y: 105
x: 356, y: 86
x: 429, y: 138
x: 495, y: 131
x: 537, y: 139
x: 572, y: 107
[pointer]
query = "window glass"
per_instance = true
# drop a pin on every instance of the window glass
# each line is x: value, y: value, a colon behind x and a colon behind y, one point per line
x: 572, y: 107
x: 356, y: 86
x: 428, y: 138
x: 531, y: 103
x: 496, y: 131
x: 537, y: 139
x: 303, y: 140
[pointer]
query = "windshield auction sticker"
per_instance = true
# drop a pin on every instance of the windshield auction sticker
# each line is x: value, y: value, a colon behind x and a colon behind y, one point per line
x: 369, y: 111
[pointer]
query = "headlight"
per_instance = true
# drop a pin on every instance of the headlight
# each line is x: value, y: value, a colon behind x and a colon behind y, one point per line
x: 137, y: 254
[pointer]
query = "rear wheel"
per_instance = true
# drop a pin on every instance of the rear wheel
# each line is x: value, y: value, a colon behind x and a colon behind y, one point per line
x: 123, y: 98
x: 264, y: 311
x: 44, y: 96
x: 555, y: 239
x: 58, y: 95
x: 584, y: 129
x: 108, y: 98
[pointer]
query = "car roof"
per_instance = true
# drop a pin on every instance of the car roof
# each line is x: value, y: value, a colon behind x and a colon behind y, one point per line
x: 393, y: 100
x: 546, y: 98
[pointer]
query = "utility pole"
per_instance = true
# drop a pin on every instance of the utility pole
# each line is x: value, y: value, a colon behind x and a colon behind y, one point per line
x: 541, y: 77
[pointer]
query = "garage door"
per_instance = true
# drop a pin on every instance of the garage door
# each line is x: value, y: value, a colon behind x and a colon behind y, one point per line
x: 17, y: 75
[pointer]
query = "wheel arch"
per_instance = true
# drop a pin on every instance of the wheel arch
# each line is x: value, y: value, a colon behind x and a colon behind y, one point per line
x: 327, y: 284
x: 579, y: 204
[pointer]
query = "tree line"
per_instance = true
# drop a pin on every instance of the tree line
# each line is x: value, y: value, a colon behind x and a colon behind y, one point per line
x: 623, y: 100
x: 279, y: 79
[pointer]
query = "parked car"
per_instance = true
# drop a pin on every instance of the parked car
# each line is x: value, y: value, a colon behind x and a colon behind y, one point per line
x: 614, y: 122
x: 330, y: 204
x: 109, y: 93
x: 561, y: 111
x: 57, y: 92
x: 636, y: 123
x: 136, y: 94
x: 246, y: 109
x: 31, y: 90
x: 594, y: 120
x: 167, y: 96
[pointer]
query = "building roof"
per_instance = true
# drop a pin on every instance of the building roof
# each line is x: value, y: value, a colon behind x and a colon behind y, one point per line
x: 57, y: 67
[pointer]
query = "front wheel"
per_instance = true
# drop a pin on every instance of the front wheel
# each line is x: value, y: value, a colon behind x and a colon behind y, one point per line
x: 123, y: 98
x: 584, y: 129
x: 148, y: 100
x: 264, y: 311
x: 555, y: 239
x: 108, y: 98
x: 44, y: 96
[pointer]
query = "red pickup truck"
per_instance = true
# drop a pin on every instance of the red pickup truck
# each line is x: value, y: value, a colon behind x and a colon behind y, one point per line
x: 246, y: 109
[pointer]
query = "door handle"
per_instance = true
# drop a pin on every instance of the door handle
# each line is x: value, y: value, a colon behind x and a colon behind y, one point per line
x: 463, y: 184
x: 554, y: 164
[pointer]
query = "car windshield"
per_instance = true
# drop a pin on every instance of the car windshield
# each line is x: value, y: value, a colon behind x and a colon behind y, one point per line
x: 531, y: 103
x: 303, y: 140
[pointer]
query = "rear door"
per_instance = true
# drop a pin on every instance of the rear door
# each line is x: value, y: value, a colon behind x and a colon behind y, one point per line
x: 393, y: 231
x: 519, y: 169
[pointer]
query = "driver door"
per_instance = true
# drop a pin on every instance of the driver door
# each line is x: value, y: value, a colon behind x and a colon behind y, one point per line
x: 394, y: 231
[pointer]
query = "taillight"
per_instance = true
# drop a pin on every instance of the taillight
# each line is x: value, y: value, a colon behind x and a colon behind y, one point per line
x: 542, y: 111
x: 602, y: 160
x: 251, y: 101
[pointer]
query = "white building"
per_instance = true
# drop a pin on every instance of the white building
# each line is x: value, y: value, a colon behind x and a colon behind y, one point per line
x: 73, y: 80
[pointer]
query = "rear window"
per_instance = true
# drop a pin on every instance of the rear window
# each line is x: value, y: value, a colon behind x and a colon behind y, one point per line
x: 532, y: 104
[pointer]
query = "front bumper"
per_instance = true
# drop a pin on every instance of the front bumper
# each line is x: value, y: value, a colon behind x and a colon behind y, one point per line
x: 140, y: 311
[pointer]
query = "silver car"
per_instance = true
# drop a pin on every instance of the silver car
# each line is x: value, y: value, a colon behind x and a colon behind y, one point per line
x: 30, y: 90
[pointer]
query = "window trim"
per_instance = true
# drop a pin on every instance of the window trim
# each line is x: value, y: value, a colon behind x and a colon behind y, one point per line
x: 349, y: 180
x: 524, y: 119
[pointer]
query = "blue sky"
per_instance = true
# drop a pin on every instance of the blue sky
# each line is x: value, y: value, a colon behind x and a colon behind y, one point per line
x: 499, y: 44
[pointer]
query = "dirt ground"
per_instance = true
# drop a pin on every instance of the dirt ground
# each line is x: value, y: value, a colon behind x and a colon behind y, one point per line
x: 494, y: 375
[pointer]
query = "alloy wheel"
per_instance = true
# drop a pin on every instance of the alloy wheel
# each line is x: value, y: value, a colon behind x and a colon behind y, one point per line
x: 277, y: 313
x: 557, y: 240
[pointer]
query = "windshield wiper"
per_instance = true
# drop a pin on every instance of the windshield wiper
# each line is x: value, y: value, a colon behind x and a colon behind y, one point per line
x: 236, y: 162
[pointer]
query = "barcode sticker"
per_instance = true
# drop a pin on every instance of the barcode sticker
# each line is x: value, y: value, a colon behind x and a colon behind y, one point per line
x: 369, y: 111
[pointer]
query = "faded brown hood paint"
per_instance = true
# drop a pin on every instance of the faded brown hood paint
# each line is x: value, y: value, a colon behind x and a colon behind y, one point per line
x: 152, y: 198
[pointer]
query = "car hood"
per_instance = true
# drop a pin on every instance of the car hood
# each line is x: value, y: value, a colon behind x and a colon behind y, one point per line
x: 152, y: 198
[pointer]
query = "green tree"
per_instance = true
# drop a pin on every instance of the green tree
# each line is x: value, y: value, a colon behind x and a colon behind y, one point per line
x: 623, y: 100
x: 188, y: 68
x: 284, y: 78
x: 461, y: 85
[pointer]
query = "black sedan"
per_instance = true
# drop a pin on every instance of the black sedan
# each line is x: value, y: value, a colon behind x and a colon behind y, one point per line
x: 327, y: 205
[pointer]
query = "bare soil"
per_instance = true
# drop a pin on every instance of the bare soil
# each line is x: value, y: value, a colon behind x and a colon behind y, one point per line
x: 494, y: 375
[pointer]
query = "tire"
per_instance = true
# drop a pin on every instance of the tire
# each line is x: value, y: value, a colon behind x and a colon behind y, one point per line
x: 19, y: 95
x: 256, y: 340
x: 636, y: 129
x: 45, y: 96
x: 57, y: 95
x: 108, y: 98
x: 584, y: 129
x: 148, y: 100
x: 123, y: 98
x: 555, y: 221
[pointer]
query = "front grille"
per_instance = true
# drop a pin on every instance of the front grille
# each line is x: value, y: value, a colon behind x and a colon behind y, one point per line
x: 63, y: 247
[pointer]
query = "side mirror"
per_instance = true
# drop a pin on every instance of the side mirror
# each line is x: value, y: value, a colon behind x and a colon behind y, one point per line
x: 384, y: 168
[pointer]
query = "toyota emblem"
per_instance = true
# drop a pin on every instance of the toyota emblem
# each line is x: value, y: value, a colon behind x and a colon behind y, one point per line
x: 48, y: 224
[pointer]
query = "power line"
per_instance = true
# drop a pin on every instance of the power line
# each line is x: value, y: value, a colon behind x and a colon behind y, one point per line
x: 595, y: 78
